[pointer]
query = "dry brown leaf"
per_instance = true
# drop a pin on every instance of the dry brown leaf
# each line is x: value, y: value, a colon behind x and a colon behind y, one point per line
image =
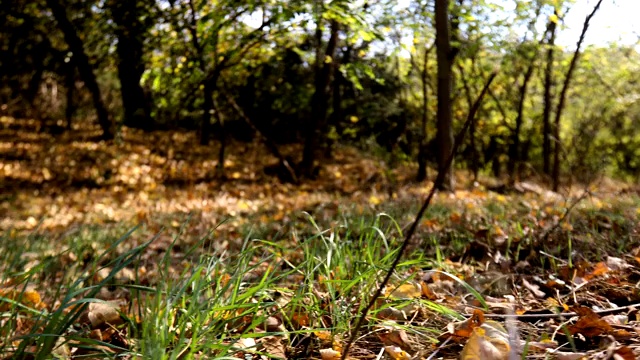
x: 100, y: 313
x: 274, y: 346
x: 589, y: 324
x: 461, y: 331
x: 391, y: 313
x: 427, y: 292
x: 624, y: 353
x: 561, y: 355
x: 248, y: 345
x: 482, y: 346
x: 599, y: 269
x: 395, y: 337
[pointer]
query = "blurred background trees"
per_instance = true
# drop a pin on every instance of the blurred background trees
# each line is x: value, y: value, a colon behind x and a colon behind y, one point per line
x: 394, y: 77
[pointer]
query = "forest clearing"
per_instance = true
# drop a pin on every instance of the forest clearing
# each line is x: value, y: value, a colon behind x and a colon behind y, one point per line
x: 319, y: 179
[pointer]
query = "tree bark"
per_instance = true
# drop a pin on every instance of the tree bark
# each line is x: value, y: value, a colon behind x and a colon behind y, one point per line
x: 444, y: 123
x: 563, y: 95
x: 548, y: 101
x: 223, y: 140
x: 423, y: 152
x: 514, y: 149
x: 207, y: 111
x: 84, y: 66
x: 319, y: 102
x: 70, y: 84
x: 129, y: 31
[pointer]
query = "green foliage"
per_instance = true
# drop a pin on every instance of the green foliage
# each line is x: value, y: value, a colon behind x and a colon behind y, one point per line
x: 262, y: 54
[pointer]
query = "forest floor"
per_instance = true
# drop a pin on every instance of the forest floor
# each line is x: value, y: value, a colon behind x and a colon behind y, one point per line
x: 250, y: 265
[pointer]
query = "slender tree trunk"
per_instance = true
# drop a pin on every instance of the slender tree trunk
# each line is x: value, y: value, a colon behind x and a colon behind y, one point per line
x: 319, y: 102
x: 445, y: 78
x: 548, y: 100
x: 423, y: 152
x: 223, y: 140
x: 514, y: 149
x: 208, y: 109
x: 208, y: 84
x: 84, y: 66
x: 472, y: 153
x: 563, y: 95
x: 337, y: 112
x: 70, y: 84
x: 129, y: 30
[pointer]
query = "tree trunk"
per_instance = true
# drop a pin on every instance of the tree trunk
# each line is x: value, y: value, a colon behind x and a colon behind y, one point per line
x: 514, y: 149
x: 423, y: 152
x: 548, y: 102
x: 337, y: 113
x: 84, y: 66
x: 284, y: 163
x: 445, y: 78
x: 207, y: 110
x: 563, y: 94
x: 129, y: 30
x: 70, y: 84
x: 223, y: 140
x: 319, y: 101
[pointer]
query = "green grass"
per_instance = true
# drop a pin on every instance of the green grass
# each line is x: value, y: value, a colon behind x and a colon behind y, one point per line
x: 195, y: 302
x: 184, y: 297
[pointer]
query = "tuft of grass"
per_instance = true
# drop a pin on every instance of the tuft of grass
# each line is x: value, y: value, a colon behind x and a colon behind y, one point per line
x: 196, y: 302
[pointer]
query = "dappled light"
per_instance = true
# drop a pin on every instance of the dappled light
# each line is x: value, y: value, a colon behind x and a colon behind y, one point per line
x: 326, y: 179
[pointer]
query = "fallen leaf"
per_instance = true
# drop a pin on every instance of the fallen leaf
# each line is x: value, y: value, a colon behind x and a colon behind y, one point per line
x: 274, y: 347
x: 397, y: 353
x: 330, y: 354
x: 100, y: 313
x: 562, y: 355
x: 589, y: 324
x: 407, y: 291
x: 482, y: 346
x: 395, y: 337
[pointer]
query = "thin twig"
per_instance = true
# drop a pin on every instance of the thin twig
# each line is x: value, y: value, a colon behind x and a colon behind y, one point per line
x: 533, y: 317
x: 439, y: 181
x: 546, y: 234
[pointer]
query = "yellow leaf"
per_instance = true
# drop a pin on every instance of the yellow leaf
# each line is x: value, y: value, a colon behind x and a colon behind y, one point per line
x: 354, y: 119
x: 374, y: 200
x: 554, y: 18
x: 407, y: 291
x: 235, y: 175
x: 396, y: 353
x: 243, y: 206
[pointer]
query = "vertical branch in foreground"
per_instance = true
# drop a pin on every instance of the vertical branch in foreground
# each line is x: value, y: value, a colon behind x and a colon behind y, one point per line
x: 563, y: 95
x: 440, y: 179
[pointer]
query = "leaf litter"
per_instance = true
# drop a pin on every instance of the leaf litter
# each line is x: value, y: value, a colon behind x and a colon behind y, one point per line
x: 547, y: 282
